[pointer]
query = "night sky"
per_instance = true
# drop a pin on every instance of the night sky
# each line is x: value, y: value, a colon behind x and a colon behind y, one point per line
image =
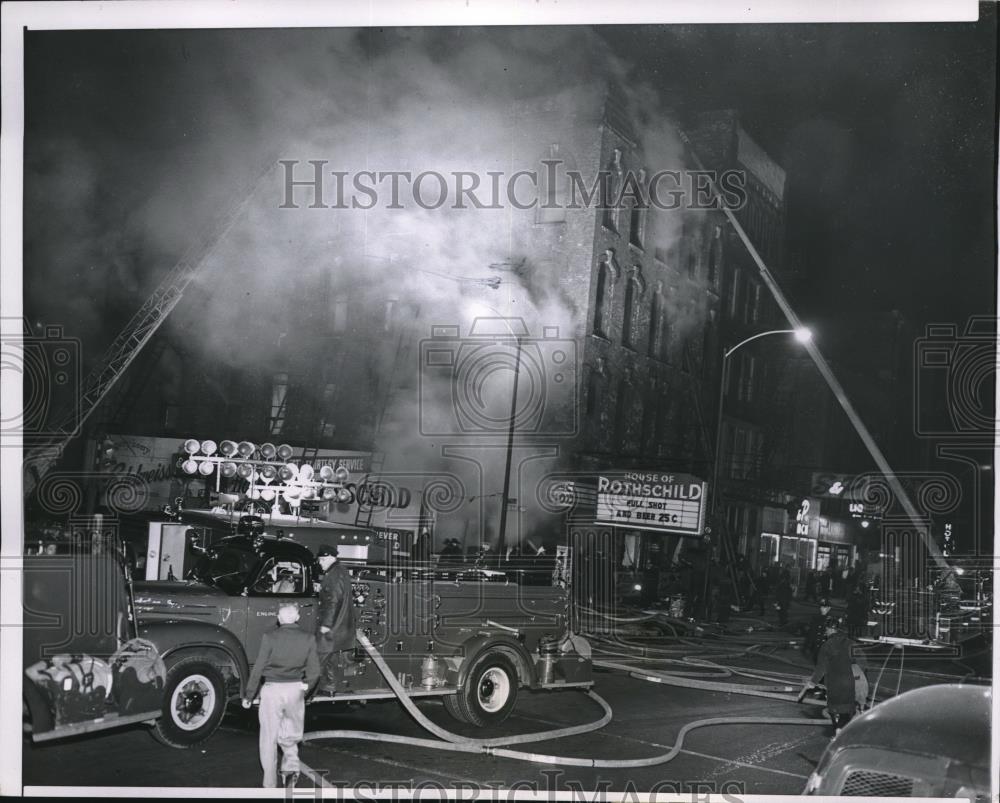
x: 886, y: 132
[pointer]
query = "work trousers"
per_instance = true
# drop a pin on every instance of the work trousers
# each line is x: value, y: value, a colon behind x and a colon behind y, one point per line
x: 331, y: 663
x: 282, y: 716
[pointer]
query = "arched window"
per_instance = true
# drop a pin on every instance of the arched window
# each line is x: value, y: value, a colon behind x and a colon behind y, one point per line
x: 611, y: 188
x: 637, y: 215
x: 633, y: 295
x: 607, y: 273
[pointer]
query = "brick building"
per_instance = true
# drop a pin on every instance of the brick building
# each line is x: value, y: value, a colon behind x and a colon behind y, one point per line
x: 648, y: 298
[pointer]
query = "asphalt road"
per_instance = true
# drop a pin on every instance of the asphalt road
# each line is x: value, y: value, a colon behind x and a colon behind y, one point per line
x: 647, y: 717
x: 726, y: 759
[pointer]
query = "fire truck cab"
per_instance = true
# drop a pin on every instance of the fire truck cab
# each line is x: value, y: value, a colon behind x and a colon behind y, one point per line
x: 473, y: 635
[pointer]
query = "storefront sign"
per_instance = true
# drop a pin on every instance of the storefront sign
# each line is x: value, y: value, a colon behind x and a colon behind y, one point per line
x: 672, y: 503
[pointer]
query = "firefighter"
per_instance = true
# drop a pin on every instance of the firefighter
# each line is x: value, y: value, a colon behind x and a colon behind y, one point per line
x: 835, y: 667
x: 816, y: 630
x: 335, y: 618
x: 289, y: 666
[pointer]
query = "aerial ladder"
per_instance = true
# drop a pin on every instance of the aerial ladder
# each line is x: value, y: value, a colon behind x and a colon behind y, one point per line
x: 42, y: 457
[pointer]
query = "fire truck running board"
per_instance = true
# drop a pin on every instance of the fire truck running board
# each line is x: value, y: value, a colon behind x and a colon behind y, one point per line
x: 387, y: 694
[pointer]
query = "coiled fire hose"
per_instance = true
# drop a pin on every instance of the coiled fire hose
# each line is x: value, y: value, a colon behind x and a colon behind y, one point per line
x: 497, y: 747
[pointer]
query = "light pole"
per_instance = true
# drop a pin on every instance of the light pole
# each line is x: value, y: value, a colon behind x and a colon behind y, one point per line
x: 502, y: 535
x: 803, y: 335
x: 511, y: 427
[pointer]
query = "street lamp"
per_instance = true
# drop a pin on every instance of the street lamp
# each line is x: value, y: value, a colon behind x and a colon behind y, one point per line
x: 803, y: 335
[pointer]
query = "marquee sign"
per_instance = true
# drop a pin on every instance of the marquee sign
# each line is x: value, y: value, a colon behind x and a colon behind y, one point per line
x: 669, y: 503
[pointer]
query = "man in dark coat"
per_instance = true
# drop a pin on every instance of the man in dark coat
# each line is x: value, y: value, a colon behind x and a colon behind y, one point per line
x: 335, y: 617
x: 763, y: 588
x: 857, y: 612
x: 835, y: 667
x: 816, y: 630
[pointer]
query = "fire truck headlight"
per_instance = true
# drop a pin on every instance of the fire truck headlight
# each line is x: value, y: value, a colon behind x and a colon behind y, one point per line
x: 245, y: 470
x: 189, y: 466
x: 228, y: 448
x: 343, y: 495
x: 268, y: 473
x: 284, y: 452
x: 326, y: 473
x: 340, y: 474
x: 206, y: 468
x: 329, y: 493
x: 306, y: 472
x: 246, y: 449
x: 208, y: 448
x: 191, y: 446
x: 268, y: 451
x: 267, y: 494
x: 287, y: 472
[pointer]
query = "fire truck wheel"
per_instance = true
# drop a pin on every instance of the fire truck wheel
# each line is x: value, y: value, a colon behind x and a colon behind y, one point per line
x: 194, y: 700
x: 489, y: 693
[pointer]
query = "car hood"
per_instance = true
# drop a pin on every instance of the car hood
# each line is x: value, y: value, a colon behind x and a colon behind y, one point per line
x: 182, y: 600
x: 951, y: 721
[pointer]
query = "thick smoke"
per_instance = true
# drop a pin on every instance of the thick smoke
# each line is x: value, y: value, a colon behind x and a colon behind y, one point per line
x: 231, y: 103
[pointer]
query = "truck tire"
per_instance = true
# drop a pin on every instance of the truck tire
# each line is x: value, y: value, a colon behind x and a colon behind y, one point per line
x: 194, y: 700
x: 489, y: 692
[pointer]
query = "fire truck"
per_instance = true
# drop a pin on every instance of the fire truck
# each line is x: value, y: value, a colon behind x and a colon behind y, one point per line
x: 471, y: 634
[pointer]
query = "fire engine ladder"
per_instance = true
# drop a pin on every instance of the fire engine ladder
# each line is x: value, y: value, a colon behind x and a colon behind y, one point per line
x: 404, y: 347
x: 130, y: 341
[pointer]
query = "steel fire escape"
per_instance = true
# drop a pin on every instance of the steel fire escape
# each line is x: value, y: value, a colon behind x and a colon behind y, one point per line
x: 130, y: 342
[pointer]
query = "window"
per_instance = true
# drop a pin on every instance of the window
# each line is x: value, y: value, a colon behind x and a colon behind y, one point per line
x: 603, y: 302
x: 340, y: 314
x: 610, y: 189
x: 280, y: 578
x: 607, y: 272
x: 627, y: 323
x: 734, y: 291
x: 715, y: 256
x: 694, y: 246
x: 637, y: 215
x: 738, y: 464
x: 279, y: 398
x: 633, y: 295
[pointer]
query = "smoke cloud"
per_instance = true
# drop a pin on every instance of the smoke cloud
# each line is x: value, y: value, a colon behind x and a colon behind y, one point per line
x: 203, y: 113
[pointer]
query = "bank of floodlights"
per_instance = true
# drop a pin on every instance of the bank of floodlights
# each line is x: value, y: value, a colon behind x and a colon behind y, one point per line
x: 267, y: 468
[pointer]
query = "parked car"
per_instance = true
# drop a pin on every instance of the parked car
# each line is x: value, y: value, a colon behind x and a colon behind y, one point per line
x: 929, y: 742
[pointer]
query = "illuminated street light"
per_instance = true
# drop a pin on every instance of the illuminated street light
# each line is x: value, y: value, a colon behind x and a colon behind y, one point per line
x: 802, y: 335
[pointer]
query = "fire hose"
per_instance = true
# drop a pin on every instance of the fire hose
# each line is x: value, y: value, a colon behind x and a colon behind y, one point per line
x: 498, y: 747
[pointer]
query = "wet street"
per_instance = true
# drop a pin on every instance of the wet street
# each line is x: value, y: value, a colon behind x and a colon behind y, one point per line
x: 647, y: 717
